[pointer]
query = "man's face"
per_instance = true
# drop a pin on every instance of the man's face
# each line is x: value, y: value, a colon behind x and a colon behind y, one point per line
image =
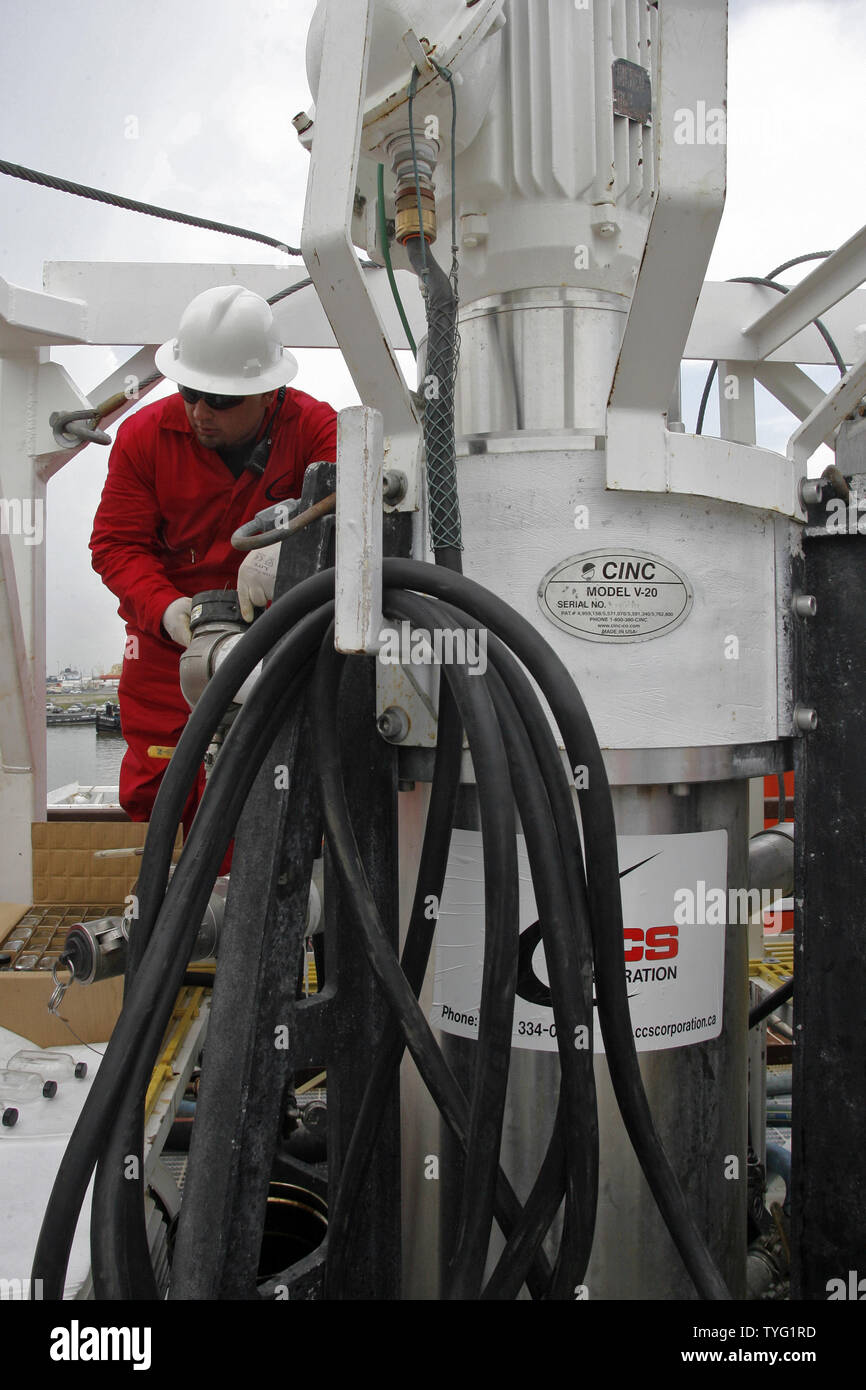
x: 224, y: 429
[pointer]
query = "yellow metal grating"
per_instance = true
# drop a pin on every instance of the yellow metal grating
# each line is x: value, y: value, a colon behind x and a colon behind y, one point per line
x: 311, y: 979
x: 185, y: 1012
x: 777, y: 965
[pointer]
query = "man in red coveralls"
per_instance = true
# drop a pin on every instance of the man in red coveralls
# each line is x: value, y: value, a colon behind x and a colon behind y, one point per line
x: 183, y: 474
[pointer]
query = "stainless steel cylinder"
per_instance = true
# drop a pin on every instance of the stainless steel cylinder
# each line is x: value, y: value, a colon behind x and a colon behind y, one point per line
x: 540, y: 361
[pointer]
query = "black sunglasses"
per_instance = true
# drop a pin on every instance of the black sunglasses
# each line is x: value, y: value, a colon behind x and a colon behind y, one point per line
x: 213, y: 402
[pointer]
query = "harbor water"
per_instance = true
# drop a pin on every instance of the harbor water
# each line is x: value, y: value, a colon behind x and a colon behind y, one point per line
x: 77, y: 753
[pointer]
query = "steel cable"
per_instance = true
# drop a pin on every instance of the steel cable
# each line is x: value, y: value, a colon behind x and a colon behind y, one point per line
x: 117, y: 200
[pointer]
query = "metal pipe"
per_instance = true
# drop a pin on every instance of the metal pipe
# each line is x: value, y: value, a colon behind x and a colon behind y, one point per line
x: 771, y: 859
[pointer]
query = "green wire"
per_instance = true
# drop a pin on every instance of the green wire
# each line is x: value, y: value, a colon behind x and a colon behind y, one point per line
x: 386, y: 252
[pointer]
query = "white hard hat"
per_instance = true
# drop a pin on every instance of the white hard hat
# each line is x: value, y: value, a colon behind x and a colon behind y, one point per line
x: 227, y: 343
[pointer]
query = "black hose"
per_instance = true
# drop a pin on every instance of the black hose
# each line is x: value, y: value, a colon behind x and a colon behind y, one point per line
x: 500, y: 911
x: 571, y: 986
x: 578, y: 734
x: 571, y: 999
x: 163, y: 938
x: 413, y: 963
x: 199, y: 979
x: 162, y: 969
x: 121, y: 1268
x: 553, y: 845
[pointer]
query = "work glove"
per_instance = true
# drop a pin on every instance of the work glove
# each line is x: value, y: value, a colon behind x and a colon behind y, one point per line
x: 256, y: 579
x: 175, y: 620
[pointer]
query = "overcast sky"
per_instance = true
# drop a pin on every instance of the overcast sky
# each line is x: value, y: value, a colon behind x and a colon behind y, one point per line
x: 208, y: 92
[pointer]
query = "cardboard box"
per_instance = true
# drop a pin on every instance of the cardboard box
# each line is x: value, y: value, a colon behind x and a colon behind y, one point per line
x: 66, y: 874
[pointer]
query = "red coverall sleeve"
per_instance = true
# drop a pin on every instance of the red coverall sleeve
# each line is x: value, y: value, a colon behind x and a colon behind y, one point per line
x: 125, y: 545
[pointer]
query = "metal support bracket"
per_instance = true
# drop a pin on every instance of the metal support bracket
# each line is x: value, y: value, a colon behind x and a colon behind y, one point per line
x: 825, y: 419
x: 689, y: 203
x: 326, y: 241
x: 360, y: 460
x: 642, y: 454
x: 831, y: 280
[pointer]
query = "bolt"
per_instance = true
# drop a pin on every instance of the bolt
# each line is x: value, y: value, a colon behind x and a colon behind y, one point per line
x: 394, y: 485
x: 805, y: 718
x: 812, y: 491
x: 680, y: 789
x: 805, y: 605
x: 393, y: 724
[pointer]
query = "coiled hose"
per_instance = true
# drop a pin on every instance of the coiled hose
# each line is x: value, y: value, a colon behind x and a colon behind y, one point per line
x: 515, y: 757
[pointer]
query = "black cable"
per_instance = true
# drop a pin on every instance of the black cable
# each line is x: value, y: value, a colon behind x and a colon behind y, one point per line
x: 500, y: 966
x: 419, y: 940
x: 493, y: 1050
x: 797, y: 260
x: 163, y: 968
x: 603, y: 887
x: 571, y: 999
x: 121, y: 1269
x: 413, y: 963
x: 549, y: 823
x: 117, y: 200
x: 162, y: 962
x: 771, y: 1003
x: 599, y: 828
x: 583, y: 1112
x: 568, y: 951
x: 708, y: 386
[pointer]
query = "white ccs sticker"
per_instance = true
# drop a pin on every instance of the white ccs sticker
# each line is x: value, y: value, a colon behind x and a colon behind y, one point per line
x: 615, y: 596
x: 673, y: 942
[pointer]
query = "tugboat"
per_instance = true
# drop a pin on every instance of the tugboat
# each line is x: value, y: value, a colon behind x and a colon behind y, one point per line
x: 108, y: 719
